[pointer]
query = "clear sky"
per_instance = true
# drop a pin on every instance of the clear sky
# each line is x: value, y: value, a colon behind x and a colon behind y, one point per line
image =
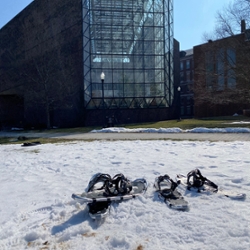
x: 194, y: 17
x: 191, y: 17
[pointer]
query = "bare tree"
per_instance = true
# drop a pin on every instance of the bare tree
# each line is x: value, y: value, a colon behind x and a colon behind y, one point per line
x: 42, y: 82
x: 39, y: 86
x: 47, y: 86
x: 228, y: 20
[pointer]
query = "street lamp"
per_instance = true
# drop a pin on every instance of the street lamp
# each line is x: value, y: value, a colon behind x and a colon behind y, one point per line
x: 102, y: 79
x: 179, y: 100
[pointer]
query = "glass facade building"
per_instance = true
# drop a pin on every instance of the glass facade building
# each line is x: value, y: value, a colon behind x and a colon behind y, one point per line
x: 131, y: 41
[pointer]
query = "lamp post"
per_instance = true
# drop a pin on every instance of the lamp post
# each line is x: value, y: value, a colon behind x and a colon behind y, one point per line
x: 102, y: 79
x: 179, y: 102
x: 102, y: 76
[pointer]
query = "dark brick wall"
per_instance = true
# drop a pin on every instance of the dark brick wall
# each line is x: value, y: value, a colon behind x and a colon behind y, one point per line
x: 126, y: 116
x: 12, y: 116
x: 214, y: 103
x: 42, y: 46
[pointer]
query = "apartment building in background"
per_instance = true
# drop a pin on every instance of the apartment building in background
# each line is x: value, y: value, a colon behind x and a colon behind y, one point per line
x: 221, y: 75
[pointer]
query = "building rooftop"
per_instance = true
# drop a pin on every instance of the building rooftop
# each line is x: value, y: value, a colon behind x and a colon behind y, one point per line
x: 189, y: 52
x: 185, y: 53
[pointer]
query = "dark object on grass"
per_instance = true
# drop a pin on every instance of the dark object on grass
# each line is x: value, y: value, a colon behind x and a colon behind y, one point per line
x: 27, y: 144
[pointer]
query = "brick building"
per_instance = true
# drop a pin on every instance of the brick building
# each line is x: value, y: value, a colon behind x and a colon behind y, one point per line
x: 221, y: 76
x: 186, y: 83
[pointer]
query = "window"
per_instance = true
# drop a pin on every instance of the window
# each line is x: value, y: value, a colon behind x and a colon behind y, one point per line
x: 231, y: 61
x: 128, y: 41
x: 220, y: 69
x: 209, y: 69
x: 181, y: 66
x: 182, y: 76
x: 188, y: 76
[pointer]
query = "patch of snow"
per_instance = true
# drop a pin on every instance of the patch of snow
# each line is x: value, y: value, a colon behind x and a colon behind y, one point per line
x: 172, y: 130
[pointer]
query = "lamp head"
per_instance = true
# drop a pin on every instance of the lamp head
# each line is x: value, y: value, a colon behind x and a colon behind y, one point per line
x: 102, y: 76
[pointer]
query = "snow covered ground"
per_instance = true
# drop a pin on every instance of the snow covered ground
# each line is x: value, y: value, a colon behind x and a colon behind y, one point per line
x: 37, y: 211
x: 172, y: 130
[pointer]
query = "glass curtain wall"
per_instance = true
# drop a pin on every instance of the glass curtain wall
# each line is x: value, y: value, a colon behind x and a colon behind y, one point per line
x: 131, y: 41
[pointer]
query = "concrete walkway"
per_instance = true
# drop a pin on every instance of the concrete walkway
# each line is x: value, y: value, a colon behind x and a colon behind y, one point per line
x: 133, y: 136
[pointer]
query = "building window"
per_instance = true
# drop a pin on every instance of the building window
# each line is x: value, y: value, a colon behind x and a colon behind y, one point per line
x: 220, y: 61
x: 182, y: 77
x: 188, y: 76
x: 209, y: 69
x: 182, y: 65
x: 220, y: 69
x: 231, y: 61
x: 188, y: 64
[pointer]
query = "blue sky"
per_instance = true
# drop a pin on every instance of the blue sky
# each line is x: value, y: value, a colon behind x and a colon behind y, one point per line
x: 194, y: 17
x: 191, y: 17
